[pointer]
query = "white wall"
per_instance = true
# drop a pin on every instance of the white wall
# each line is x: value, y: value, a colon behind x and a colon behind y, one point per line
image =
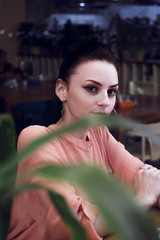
x: 132, y: 11
x: 93, y: 19
x: 106, y: 15
x: 141, y: 11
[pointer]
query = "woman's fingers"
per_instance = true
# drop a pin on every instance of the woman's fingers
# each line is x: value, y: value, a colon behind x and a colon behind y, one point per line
x: 147, y: 183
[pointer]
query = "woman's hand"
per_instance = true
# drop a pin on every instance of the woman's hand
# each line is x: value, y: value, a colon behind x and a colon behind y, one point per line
x: 147, y: 185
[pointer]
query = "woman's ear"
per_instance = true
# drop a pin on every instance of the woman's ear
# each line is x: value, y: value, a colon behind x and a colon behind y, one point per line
x: 61, y: 90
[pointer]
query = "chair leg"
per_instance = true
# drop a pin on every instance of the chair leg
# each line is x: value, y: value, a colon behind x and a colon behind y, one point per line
x: 143, y: 151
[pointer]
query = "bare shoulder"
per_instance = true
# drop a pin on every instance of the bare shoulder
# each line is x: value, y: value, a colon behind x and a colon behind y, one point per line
x: 29, y: 134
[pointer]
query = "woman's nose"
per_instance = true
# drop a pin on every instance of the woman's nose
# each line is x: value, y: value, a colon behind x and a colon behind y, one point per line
x: 103, y: 100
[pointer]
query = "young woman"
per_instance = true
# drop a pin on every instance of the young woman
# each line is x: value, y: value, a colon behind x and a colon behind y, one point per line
x: 87, y: 83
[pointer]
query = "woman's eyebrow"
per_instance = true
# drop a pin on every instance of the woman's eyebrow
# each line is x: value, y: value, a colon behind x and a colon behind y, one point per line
x: 89, y: 80
x: 115, y: 85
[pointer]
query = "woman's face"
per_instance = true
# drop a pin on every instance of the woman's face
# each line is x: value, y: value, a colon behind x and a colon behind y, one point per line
x: 92, y: 89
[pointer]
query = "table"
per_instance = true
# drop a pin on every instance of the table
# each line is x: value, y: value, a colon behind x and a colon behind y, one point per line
x: 155, y: 212
x: 146, y: 110
x: 33, y: 91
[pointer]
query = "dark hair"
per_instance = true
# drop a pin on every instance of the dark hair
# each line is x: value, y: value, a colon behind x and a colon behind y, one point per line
x: 88, y: 51
x: 84, y: 52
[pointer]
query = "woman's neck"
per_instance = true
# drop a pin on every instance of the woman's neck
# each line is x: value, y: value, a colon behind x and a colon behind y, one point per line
x: 82, y: 134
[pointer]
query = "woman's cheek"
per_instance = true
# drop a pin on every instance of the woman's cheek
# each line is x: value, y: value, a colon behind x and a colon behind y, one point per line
x: 112, y: 105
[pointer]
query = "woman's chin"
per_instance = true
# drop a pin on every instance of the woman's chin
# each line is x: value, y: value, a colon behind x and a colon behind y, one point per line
x: 100, y: 113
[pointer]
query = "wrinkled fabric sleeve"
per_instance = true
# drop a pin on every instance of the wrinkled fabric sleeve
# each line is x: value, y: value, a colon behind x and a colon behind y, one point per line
x: 124, y: 165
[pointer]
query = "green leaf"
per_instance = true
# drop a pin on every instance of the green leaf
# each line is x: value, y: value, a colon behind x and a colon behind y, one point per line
x: 7, y: 138
x: 9, y: 163
x: 7, y: 150
x: 70, y: 219
x: 77, y: 230
x: 120, y: 212
x: 88, y: 121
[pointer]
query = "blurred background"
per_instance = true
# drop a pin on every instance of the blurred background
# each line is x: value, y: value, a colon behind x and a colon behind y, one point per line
x: 50, y: 27
x: 35, y: 35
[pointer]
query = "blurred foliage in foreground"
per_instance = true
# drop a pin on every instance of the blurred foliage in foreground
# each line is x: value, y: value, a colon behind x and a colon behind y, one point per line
x: 120, y: 211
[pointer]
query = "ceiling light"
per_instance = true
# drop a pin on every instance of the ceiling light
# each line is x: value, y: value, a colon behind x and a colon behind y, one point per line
x: 82, y: 4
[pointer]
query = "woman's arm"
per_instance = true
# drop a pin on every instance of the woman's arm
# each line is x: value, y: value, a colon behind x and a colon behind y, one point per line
x: 39, y: 216
x: 147, y: 185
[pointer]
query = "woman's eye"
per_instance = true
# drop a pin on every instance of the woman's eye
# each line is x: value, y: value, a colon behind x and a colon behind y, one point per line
x: 91, y: 89
x: 112, y: 92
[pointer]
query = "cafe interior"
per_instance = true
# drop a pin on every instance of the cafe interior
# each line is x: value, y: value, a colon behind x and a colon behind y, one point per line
x: 36, y: 35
